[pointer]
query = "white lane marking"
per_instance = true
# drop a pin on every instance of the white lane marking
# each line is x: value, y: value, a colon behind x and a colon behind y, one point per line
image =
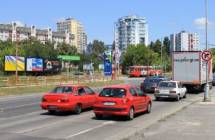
x: 90, y: 129
x: 15, y: 107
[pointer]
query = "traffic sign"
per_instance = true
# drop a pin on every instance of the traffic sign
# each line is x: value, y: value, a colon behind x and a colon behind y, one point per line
x: 206, y: 55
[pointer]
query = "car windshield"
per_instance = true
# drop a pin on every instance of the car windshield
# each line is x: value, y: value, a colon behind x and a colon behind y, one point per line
x: 113, y: 92
x: 152, y: 80
x: 167, y: 84
x: 59, y: 90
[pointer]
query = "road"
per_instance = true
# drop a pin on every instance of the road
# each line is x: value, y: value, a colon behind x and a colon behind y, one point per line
x: 22, y: 119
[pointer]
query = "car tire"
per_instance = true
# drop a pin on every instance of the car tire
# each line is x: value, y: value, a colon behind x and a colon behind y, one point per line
x: 131, y: 114
x: 51, y: 111
x: 98, y: 116
x: 185, y: 95
x: 149, y: 108
x: 177, y: 98
x: 78, y: 109
x: 157, y: 98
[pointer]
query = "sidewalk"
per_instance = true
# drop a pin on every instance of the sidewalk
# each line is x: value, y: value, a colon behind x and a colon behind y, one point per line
x: 196, y: 122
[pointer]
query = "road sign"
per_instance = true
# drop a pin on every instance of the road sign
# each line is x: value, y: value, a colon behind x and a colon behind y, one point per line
x: 107, y: 66
x: 206, y: 55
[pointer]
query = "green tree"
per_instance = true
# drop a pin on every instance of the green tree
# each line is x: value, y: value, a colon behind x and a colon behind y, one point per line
x: 66, y: 49
x: 140, y: 55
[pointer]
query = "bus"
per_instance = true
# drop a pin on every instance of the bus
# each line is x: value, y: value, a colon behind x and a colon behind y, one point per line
x: 139, y: 71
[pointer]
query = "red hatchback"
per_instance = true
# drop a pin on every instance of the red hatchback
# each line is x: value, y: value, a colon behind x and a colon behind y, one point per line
x: 68, y: 98
x: 122, y: 100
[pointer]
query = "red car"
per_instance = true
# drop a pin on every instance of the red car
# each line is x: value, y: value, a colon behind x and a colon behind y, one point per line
x: 68, y: 98
x: 122, y: 100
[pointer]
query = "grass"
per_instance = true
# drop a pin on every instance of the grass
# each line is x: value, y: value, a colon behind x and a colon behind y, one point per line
x: 42, y: 89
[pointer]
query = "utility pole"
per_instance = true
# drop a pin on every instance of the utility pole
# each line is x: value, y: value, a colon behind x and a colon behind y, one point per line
x: 206, y: 94
x: 16, y: 45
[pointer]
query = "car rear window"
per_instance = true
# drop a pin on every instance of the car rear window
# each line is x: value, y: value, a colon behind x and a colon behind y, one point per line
x: 59, y: 90
x: 113, y: 92
x: 167, y: 84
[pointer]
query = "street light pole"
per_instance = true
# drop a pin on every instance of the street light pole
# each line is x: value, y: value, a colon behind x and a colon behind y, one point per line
x: 16, y: 60
x: 206, y: 94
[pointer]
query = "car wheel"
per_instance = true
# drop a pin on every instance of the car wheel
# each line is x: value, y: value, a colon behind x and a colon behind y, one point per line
x: 185, y: 95
x: 99, y: 116
x: 157, y: 98
x: 131, y: 114
x: 52, y: 111
x: 149, y: 108
x: 177, y: 98
x: 78, y: 109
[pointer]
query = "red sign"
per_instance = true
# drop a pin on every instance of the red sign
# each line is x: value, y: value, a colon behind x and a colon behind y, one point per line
x: 206, y: 55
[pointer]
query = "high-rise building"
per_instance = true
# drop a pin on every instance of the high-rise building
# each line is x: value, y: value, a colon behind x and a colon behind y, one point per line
x: 74, y: 27
x: 184, y: 41
x: 15, y: 32
x: 131, y: 30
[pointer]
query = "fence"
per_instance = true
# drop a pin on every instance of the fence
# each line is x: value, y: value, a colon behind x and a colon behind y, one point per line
x: 50, y: 80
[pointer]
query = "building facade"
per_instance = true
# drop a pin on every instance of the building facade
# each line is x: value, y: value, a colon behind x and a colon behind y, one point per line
x: 74, y: 27
x: 17, y: 33
x: 130, y: 30
x: 184, y: 41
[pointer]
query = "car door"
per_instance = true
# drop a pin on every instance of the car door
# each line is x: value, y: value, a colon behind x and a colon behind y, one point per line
x: 181, y: 90
x: 83, y: 98
x: 142, y: 99
x: 91, y: 96
x: 135, y: 99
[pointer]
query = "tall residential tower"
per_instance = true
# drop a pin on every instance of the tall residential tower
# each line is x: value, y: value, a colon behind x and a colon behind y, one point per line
x: 130, y: 30
x: 184, y: 41
x: 74, y: 27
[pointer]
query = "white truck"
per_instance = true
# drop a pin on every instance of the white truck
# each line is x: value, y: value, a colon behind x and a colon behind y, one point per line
x: 190, y: 69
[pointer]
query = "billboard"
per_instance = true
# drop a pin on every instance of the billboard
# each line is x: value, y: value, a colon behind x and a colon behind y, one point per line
x: 10, y: 63
x: 34, y: 64
x: 51, y: 65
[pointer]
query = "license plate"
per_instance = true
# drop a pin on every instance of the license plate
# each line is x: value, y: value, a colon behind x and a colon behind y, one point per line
x: 109, y: 103
x: 52, y: 107
x: 165, y: 96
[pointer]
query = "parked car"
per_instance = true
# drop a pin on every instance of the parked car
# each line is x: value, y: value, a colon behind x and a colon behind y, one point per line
x: 170, y: 89
x: 68, y: 98
x: 151, y: 83
x: 121, y: 100
x: 213, y: 81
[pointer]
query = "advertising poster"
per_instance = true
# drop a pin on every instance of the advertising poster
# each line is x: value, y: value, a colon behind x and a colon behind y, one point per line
x: 34, y: 64
x: 10, y: 63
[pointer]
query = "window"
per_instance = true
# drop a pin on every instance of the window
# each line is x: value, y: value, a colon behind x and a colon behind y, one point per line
x: 113, y: 92
x: 81, y: 91
x: 60, y: 90
x: 133, y: 92
x: 139, y: 92
x: 167, y: 84
x: 89, y: 91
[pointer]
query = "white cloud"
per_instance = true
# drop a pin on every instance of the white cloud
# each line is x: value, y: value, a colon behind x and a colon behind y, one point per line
x: 200, y: 23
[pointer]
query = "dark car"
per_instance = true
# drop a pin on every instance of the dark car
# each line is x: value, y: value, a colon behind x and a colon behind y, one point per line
x: 213, y: 81
x: 151, y: 83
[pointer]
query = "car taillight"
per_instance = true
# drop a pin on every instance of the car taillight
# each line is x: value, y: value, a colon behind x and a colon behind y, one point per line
x: 172, y: 91
x: 64, y: 100
x: 125, y: 100
x: 43, y: 99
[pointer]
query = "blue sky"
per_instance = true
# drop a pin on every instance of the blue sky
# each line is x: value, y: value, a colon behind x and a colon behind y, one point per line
x: 98, y: 16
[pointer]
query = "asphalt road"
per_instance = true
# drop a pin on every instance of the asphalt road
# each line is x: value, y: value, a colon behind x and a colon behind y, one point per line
x: 22, y: 119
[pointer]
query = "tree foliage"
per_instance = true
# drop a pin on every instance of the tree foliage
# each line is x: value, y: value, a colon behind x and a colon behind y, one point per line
x: 139, y: 55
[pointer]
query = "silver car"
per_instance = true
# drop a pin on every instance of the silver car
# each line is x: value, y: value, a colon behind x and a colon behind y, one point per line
x: 170, y: 89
